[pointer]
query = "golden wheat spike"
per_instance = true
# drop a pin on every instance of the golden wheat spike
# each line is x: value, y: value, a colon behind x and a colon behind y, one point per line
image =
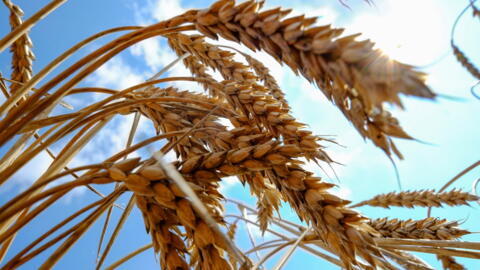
x: 421, y: 198
x: 429, y: 228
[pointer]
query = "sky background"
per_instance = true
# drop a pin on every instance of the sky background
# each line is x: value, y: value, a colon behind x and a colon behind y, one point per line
x: 416, y: 32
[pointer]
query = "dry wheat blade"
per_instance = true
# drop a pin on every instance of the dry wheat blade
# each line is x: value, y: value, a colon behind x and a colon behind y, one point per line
x: 29, y: 23
x: 128, y: 257
x: 116, y: 231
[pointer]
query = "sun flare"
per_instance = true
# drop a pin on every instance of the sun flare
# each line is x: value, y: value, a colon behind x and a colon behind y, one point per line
x: 404, y: 31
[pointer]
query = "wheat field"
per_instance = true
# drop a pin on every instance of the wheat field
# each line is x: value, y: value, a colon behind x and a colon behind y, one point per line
x: 239, y: 126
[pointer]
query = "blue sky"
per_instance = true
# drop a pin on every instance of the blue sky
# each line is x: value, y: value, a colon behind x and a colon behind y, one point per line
x: 416, y: 32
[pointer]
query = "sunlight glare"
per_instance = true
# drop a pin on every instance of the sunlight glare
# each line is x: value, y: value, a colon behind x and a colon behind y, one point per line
x: 410, y: 31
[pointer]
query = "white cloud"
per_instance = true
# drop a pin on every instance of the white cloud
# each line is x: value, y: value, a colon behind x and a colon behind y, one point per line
x: 32, y: 170
x: 74, y: 193
x: 228, y: 183
x: 165, y: 9
x: 110, y: 140
x: 156, y: 10
x: 155, y: 55
x: 26, y: 176
x: 116, y: 74
x: 342, y: 192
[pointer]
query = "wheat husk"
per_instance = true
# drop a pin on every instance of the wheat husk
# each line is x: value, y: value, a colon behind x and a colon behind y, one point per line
x: 429, y: 228
x: 422, y: 198
x: 22, y: 54
x: 449, y: 263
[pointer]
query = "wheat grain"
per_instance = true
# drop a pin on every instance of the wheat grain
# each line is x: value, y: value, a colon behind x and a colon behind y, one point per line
x: 429, y: 228
x: 253, y: 100
x: 22, y: 55
x: 476, y: 11
x: 449, y: 263
x: 407, y: 260
x: 343, y: 68
x: 422, y: 198
x: 463, y: 59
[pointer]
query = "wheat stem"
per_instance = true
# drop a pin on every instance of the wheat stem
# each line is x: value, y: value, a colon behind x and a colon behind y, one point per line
x: 271, y: 253
x: 26, y: 25
x: 52, y: 230
x: 116, y: 231
x: 430, y: 243
x: 82, y: 228
x: 10, y: 102
x: 289, y: 253
x: 455, y: 178
x: 439, y: 251
x: 128, y: 257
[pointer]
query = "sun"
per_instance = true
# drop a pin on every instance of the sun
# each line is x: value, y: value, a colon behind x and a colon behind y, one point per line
x: 409, y: 31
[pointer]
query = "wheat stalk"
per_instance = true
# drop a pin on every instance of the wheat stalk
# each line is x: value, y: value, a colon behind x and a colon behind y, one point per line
x: 422, y: 198
x: 128, y: 257
x: 429, y: 228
